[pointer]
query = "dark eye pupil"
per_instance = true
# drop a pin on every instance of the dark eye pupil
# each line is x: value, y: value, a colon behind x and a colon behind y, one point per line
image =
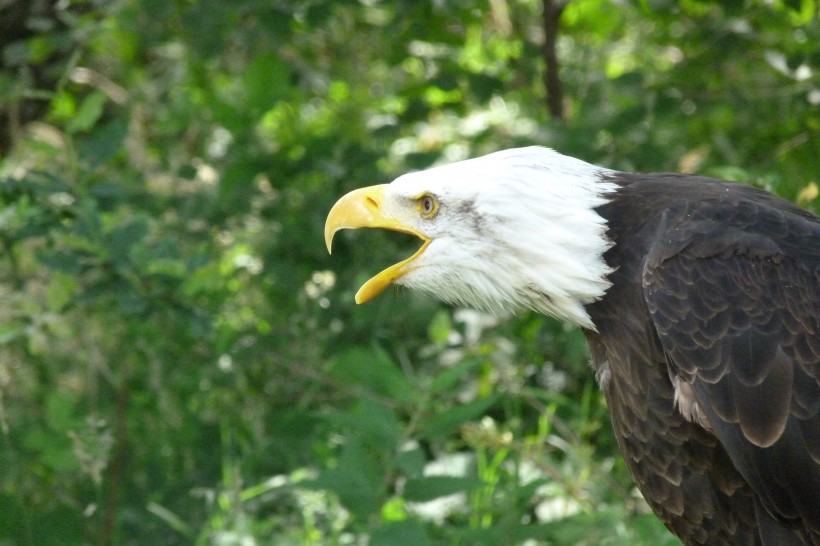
x: 427, y: 204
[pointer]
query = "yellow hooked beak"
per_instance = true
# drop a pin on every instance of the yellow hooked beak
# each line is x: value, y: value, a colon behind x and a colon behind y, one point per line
x: 365, y: 207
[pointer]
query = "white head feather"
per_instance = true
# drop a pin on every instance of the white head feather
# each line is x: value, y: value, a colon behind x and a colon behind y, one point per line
x: 515, y: 229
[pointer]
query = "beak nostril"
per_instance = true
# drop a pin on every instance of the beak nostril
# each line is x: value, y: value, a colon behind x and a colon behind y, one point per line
x: 371, y: 203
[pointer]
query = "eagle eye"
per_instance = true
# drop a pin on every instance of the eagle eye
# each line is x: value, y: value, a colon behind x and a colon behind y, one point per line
x: 428, y: 205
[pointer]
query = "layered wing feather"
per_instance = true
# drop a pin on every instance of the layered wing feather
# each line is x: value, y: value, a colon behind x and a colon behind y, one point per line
x: 734, y: 293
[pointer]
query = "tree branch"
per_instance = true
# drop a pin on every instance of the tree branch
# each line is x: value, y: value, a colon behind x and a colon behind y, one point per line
x: 117, y: 465
x: 552, y: 81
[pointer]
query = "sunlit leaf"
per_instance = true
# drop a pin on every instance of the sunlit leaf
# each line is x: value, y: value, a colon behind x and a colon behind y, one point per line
x: 88, y: 113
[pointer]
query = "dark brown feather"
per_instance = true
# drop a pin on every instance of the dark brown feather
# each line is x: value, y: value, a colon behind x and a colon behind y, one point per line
x: 717, y: 288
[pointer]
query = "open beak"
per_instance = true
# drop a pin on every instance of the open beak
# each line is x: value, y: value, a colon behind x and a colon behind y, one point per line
x: 366, y: 207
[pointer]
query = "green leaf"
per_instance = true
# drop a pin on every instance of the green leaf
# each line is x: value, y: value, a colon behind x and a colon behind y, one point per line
x: 266, y: 80
x: 89, y: 112
x: 60, y: 260
x: 10, y: 332
x: 449, y: 421
x: 60, y: 412
x: 13, y: 521
x: 400, y: 533
x: 520, y: 533
x: 102, y: 143
x: 432, y: 487
x: 126, y: 235
x: 171, y: 519
x: 358, y: 480
x: 374, y: 422
x: 60, y: 289
x: 440, y: 328
x: 447, y: 380
x: 373, y: 370
x: 107, y: 193
x: 411, y: 462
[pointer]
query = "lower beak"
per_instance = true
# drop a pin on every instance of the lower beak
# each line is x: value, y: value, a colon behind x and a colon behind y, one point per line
x: 366, y: 207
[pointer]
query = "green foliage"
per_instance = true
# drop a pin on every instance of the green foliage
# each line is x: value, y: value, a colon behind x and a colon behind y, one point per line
x: 181, y: 362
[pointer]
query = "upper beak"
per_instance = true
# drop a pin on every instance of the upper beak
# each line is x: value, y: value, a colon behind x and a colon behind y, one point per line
x: 366, y: 207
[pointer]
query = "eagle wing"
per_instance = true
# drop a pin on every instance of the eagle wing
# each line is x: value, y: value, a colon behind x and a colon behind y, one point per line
x: 733, y: 290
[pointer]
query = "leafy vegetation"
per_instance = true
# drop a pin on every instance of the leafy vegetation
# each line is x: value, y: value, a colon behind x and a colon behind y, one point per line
x: 181, y: 362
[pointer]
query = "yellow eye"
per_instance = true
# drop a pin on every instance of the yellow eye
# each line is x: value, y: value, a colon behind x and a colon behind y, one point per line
x: 428, y: 205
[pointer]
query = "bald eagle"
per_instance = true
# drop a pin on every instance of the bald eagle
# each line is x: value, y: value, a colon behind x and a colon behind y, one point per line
x: 699, y: 298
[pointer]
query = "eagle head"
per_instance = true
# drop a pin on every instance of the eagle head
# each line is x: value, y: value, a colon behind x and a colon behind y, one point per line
x: 516, y: 229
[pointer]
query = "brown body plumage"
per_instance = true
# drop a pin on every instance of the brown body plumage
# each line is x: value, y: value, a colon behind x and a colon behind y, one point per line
x: 717, y: 286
